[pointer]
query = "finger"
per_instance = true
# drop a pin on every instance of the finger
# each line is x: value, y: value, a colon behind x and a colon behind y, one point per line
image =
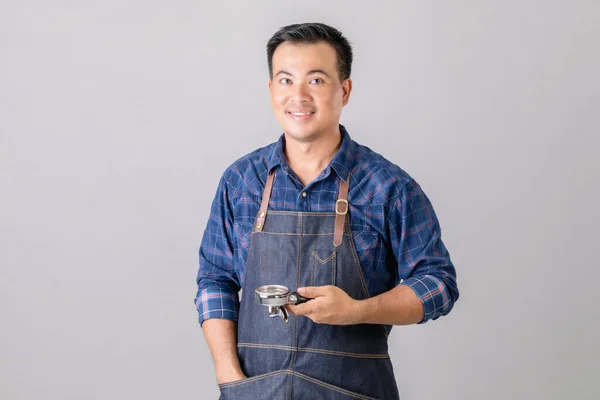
x: 301, y: 309
x: 291, y: 308
x: 312, y: 291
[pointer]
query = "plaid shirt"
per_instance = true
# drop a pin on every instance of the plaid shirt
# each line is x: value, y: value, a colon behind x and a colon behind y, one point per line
x: 395, y: 229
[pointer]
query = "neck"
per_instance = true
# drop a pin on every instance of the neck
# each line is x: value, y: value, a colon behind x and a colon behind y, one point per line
x: 309, y: 159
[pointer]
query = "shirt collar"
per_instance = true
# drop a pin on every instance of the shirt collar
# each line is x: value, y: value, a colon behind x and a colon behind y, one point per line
x: 340, y: 162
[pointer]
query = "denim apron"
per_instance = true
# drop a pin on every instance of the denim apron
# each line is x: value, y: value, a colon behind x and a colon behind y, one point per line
x: 302, y: 359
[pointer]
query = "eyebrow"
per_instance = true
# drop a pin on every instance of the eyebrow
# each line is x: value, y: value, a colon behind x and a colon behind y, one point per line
x: 318, y: 71
x: 311, y: 72
x: 282, y: 72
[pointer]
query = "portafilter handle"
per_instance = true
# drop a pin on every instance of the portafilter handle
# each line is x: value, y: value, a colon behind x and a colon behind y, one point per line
x: 295, y: 298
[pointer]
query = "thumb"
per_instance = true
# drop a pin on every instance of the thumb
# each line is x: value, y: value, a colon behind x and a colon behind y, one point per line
x: 311, y: 291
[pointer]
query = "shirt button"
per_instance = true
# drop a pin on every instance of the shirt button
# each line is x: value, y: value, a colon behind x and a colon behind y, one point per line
x: 303, y: 194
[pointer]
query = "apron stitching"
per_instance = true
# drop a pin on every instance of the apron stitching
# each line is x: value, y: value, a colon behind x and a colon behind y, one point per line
x: 292, y: 373
x: 333, y: 268
x: 254, y: 378
x: 313, y: 275
x: 289, y: 386
x: 297, y: 234
x: 298, y: 260
x: 308, y: 214
x: 325, y: 261
x: 312, y: 350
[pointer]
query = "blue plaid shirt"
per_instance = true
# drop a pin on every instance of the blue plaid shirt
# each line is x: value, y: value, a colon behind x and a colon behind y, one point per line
x: 395, y: 229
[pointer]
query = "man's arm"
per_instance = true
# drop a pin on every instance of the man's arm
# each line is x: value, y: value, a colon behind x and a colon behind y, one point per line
x: 424, y: 264
x: 217, y: 299
x: 221, y: 337
x: 331, y: 305
x: 399, y: 306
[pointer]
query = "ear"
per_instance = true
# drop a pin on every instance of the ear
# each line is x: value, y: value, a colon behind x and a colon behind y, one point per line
x: 270, y: 83
x: 347, y: 88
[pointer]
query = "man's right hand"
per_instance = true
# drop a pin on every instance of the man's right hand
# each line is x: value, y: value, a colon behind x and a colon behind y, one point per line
x: 221, y: 337
x: 229, y: 376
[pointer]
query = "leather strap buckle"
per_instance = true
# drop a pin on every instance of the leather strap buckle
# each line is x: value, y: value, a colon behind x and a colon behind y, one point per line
x: 337, y: 207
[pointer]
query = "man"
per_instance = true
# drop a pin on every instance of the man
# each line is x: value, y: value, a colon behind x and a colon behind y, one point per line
x: 318, y: 213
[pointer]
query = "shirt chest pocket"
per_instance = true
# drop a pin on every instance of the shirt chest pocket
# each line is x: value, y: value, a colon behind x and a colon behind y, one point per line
x: 323, y: 267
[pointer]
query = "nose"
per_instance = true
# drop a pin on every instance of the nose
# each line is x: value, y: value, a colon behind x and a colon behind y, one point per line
x: 301, y: 93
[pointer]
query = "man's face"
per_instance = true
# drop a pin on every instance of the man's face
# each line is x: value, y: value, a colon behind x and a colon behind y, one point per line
x: 306, y: 92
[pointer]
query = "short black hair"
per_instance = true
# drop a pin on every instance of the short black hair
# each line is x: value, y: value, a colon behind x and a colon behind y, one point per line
x: 314, y: 32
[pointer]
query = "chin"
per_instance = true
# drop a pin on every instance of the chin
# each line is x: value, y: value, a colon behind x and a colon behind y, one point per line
x: 303, y: 135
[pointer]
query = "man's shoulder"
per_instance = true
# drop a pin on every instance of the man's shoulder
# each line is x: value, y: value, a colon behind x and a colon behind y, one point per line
x: 373, y: 169
x: 247, y: 170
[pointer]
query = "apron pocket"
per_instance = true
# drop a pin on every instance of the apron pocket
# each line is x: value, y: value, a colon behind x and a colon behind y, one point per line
x: 272, y: 385
x: 323, y: 268
x: 307, y: 387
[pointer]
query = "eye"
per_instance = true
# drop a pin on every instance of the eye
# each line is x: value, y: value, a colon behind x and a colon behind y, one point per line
x: 285, y: 81
x: 316, y: 80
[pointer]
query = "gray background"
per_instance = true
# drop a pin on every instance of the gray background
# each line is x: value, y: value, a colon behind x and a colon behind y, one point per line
x: 117, y: 119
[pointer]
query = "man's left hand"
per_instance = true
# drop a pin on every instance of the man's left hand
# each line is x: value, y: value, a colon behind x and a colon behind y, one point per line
x: 329, y: 305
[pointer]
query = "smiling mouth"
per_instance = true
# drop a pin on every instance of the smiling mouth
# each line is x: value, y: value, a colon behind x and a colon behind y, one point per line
x: 300, y: 115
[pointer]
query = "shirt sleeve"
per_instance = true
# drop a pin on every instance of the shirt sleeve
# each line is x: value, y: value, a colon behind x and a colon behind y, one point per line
x: 218, y: 283
x: 424, y: 263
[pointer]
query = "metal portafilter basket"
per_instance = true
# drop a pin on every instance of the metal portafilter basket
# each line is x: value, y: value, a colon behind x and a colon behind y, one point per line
x: 275, y: 297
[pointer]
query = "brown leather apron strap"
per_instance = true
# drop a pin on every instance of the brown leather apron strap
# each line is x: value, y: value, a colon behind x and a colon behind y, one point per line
x: 341, y: 209
x: 262, y: 213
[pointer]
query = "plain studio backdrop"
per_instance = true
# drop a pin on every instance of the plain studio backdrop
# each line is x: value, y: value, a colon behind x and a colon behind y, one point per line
x: 117, y: 119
